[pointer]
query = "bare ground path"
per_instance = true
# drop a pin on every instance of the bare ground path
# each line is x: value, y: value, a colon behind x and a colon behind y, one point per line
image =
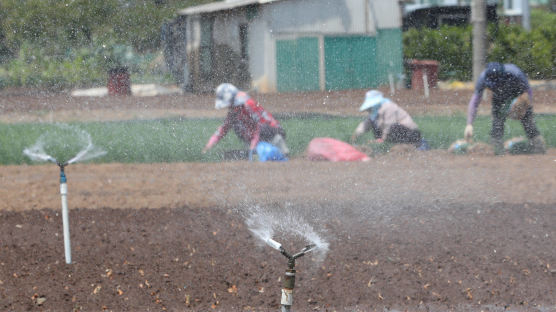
x: 19, y: 106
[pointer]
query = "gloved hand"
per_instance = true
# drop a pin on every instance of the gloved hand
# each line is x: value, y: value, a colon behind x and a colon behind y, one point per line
x: 353, y: 138
x: 468, y: 133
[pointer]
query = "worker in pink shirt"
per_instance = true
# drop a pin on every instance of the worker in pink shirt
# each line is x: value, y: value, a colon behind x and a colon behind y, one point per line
x: 249, y: 120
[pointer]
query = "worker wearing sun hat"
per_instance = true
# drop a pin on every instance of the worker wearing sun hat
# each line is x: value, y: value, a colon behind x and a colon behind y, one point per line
x: 389, y: 122
x: 249, y: 120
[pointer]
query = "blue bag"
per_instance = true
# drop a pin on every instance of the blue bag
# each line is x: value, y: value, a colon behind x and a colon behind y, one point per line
x: 269, y: 152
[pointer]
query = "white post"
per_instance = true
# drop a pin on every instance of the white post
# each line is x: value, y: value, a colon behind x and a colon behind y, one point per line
x: 526, y: 15
x: 65, y: 216
x: 322, y: 65
x: 392, y: 87
x: 426, y: 84
x: 478, y: 20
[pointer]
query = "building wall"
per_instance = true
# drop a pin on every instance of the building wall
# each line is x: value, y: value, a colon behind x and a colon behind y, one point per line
x: 287, y: 20
x: 295, y: 19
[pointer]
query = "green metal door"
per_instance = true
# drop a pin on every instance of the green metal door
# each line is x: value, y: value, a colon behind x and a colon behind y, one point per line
x: 297, y: 64
x: 350, y: 62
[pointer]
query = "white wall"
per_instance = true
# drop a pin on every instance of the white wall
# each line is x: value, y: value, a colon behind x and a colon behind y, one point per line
x: 262, y: 56
x: 317, y: 16
x: 388, y: 13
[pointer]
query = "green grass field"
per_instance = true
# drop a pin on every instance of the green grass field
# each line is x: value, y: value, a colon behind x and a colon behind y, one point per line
x: 179, y: 140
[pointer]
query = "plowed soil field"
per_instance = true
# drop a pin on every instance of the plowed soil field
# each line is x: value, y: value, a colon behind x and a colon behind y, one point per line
x: 411, y: 231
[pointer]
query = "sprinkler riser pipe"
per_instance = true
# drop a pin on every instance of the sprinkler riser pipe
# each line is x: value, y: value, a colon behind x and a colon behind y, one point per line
x: 287, y: 291
x: 287, y: 298
x: 289, y: 280
x: 65, y: 215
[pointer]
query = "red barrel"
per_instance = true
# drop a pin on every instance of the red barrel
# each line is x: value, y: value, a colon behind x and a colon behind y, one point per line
x: 420, y: 68
x: 119, y: 82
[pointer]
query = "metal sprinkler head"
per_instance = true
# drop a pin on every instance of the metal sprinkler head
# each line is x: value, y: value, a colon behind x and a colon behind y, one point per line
x: 291, y: 258
x: 286, y: 300
x: 62, y: 173
x: 61, y: 165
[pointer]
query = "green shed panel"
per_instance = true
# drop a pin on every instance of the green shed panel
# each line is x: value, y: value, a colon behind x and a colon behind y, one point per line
x: 350, y: 62
x: 389, y: 53
x: 297, y: 64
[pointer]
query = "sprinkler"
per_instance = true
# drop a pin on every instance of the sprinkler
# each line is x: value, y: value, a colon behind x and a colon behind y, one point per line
x: 88, y: 151
x: 63, y: 193
x: 289, y: 280
x: 65, y: 213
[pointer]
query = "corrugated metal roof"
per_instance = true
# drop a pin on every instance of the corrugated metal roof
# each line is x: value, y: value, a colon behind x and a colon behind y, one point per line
x: 409, y: 8
x: 220, y: 6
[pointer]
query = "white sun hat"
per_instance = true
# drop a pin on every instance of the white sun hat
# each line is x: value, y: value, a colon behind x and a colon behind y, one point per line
x: 372, y: 98
x: 225, y: 94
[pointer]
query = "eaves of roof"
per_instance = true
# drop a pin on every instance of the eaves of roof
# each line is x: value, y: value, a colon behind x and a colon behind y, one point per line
x: 221, y: 6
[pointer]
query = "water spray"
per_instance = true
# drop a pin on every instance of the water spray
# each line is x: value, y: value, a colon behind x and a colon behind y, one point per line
x: 289, y: 280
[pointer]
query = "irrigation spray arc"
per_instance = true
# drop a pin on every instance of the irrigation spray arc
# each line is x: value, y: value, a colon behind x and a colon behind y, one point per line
x: 37, y: 153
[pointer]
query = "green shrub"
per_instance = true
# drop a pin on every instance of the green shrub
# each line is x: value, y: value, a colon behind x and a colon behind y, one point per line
x: 62, y: 44
x: 451, y: 46
x: 534, y: 51
x: 81, y: 67
x: 34, y: 66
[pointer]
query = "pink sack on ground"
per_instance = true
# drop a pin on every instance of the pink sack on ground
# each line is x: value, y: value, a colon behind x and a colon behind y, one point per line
x: 334, y: 150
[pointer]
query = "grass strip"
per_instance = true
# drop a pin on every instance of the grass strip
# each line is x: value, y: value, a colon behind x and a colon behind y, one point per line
x: 181, y: 140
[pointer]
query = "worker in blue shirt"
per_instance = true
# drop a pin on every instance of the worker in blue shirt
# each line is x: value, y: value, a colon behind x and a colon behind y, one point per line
x: 511, y: 97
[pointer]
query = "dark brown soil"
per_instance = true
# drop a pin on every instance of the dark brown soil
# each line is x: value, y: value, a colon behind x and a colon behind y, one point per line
x: 410, y: 231
x: 448, y: 257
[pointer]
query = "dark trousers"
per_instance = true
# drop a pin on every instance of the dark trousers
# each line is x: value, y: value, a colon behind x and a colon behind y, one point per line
x: 404, y: 135
x: 267, y: 133
x: 499, y: 118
